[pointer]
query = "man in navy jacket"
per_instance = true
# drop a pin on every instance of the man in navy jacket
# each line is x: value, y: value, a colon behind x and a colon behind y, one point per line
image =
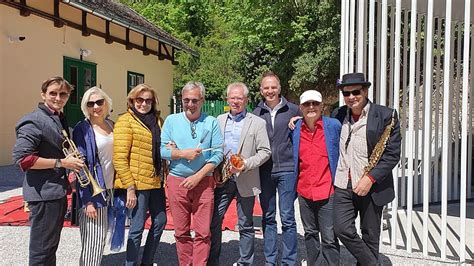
x: 277, y: 174
x: 358, y: 191
x: 315, y: 153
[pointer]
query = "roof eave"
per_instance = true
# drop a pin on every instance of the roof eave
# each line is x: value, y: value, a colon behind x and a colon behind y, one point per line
x: 130, y: 26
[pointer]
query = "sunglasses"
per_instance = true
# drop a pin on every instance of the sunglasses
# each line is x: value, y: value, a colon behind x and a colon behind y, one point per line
x: 308, y: 104
x: 354, y: 92
x: 62, y: 95
x: 98, y: 102
x: 140, y: 100
x: 193, y: 101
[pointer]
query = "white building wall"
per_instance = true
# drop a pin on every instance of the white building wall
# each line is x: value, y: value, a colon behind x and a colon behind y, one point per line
x: 25, y: 65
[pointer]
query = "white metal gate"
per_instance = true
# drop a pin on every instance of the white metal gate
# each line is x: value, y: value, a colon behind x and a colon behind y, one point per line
x: 418, y: 56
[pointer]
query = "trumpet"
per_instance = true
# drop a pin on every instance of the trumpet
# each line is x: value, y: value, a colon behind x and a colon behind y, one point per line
x: 84, y: 176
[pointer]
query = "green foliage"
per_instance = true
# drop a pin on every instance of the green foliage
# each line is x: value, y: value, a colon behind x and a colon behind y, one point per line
x: 238, y: 40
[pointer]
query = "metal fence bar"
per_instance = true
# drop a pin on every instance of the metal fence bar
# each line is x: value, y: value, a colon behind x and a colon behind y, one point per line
x: 390, y: 60
x: 344, y: 44
x: 375, y: 84
x: 427, y: 125
x: 464, y: 124
x: 453, y: 91
x: 396, y: 105
x: 351, y: 35
x: 371, y: 45
x: 382, y: 86
x: 342, y: 55
x: 470, y: 129
x: 456, y: 110
x: 411, y: 125
x: 404, y: 116
x: 360, y: 36
x: 419, y: 44
x: 437, y: 112
x: 446, y: 121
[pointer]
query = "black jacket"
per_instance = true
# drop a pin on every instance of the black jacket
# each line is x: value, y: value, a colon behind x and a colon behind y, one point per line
x: 379, y: 116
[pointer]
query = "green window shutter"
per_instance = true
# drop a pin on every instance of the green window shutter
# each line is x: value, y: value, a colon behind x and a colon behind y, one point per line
x: 133, y: 79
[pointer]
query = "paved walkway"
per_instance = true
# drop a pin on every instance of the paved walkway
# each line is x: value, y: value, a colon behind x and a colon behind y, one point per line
x: 14, y: 242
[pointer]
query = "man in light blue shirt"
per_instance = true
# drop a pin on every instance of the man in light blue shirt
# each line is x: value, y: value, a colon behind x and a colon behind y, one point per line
x: 197, y: 150
x: 245, y: 135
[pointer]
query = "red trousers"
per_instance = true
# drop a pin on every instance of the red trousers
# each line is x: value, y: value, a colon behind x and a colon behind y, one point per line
x: 196, y: 204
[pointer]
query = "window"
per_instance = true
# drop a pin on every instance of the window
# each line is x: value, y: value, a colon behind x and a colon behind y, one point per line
x: 133, y: 79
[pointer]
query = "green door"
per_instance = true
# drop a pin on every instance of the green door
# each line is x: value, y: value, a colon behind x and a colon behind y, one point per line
x: 82, y: 76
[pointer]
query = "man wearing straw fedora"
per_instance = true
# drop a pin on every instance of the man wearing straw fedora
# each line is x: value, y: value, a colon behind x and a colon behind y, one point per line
x: 368, y: 151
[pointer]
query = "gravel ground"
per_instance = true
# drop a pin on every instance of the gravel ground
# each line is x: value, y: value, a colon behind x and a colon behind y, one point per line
x: 14, y: 250
x: 14, y: 241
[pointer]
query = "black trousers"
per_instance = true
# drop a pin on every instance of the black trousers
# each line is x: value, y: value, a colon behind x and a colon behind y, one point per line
x: 223, y: 196
x: 46, y: 223
x: 317, y: 218
x: 346, y: 207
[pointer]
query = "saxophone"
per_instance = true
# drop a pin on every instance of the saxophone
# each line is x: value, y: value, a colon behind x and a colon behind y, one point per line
x: 223, y: 171
x: 379, y: 147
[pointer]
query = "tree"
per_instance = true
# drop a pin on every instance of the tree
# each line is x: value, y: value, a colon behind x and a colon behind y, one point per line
x: 238, y: 40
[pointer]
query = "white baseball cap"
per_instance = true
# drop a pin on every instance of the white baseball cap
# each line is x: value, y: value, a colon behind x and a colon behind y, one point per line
x: 311, y: 95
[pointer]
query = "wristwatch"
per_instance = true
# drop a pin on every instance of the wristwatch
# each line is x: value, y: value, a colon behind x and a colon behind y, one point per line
x: 58, y: 164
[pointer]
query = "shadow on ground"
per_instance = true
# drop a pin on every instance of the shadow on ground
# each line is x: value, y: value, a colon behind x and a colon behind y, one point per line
x: 166, y: 254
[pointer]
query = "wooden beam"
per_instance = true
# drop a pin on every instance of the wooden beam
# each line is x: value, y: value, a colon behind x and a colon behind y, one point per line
x: 128, y: 45
x: 57, y: 22
x: 145, y: 50
x: 161, y: 56
x: 84, y: 29
x: 24, y: 11
x: 167, y: 52
x: 107, y: 32
x: 173, y: 58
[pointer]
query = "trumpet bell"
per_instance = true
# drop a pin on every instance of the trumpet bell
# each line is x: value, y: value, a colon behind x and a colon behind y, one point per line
x: 96, y: 189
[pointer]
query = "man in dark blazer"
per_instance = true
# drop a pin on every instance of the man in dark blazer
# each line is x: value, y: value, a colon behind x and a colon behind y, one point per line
x: 358, y: 191
x: 38, y: 152
x: 245, y: 134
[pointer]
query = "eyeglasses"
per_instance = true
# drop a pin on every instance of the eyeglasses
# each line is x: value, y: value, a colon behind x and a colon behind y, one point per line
x: 354, y: 92
x: 91, y: 104
x: 140, y: 100
x: 308, y: 104
x: 193, y: 130
x: 193, y: 101
x: 236, y: 99
x: 62, y: 95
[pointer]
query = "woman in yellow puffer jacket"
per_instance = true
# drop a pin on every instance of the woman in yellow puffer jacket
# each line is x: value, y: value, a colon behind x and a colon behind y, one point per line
x: 137, y: 162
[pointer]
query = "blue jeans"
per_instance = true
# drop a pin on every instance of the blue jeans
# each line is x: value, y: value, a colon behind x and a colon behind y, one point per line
x: 285, y: 183
x: 153, y: 201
